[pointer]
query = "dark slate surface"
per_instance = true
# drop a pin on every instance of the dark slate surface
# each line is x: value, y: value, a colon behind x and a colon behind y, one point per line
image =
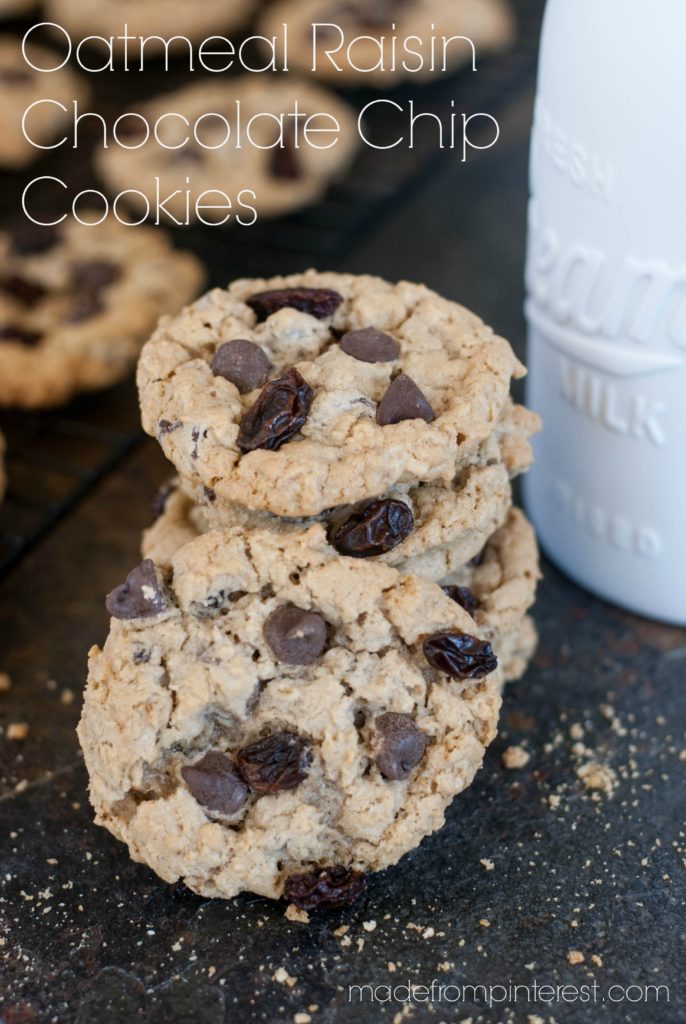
x: 531, y: 865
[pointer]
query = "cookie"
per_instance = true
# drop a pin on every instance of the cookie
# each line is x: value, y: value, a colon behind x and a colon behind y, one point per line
x: 76, y: 304
x: 149, y: 18
x: 488, y: 23
x: 20, y: 87
x: 330, y: 426
x: 428, y: 529
x: 268, y: 710
x: 16, y: 8
x: 270, y: 176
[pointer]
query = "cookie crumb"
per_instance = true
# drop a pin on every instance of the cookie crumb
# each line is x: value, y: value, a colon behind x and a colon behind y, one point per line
x: 67, y: 697
x: 17, y: 731
x: 597, y: 776
x: 293, y: 913
x: 575, y: 957
x: 487, y: 864
x: 369, y: 926
x: 301, y: 1018
x: 5, y: 682
x: 485, y: 923
x: 515, y: 757
x: 597, y: 960
x: 284, y: 978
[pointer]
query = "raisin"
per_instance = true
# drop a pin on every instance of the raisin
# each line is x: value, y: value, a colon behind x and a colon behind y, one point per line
x: 462, y: 596
x: 460, y: 655
x: 29, y: 238
x: 325, y: 889
x: 374, y: 529
x: 275, y: 763
x: 277, y: 415
x: 318, y: 302
x: 20, y: 334
x: 28, y: 293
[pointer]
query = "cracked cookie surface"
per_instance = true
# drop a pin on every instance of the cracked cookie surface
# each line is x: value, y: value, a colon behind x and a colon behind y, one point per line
x: 314, y: 437
x: 310, y: 773
x: 76, y: 304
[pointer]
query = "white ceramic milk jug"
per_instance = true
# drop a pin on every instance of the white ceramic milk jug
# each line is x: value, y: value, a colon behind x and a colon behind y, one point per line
x: 606, y: 299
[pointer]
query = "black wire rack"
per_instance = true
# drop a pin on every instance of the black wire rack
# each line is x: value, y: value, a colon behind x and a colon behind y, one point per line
x: 55, y: 459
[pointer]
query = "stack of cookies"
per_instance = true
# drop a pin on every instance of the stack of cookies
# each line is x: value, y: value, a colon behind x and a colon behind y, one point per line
x: 307, y: 666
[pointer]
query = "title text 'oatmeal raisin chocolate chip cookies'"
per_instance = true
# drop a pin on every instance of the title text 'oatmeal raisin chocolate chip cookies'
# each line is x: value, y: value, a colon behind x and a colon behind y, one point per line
x: 280, y: 719
x: 20, y: 87
x: 358, y: 36
x: 259, y: 162
x: 154, y: 19
x: 76, y: 303
x: 331, y: 426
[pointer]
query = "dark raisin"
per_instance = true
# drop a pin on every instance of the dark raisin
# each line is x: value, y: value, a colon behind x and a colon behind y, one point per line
x: 277, y: 415
x: 401, y: 747
x: 28, y: 293
x: 275, y: 763
x: 374, y: 529
x: 318, y: 302
x: 29, y: 238
x: 20, y: 335
x: 216, y: 785
x: 460, y: 655
x: 284, y: 161
x: 325, y: 888
x: 462, y: 596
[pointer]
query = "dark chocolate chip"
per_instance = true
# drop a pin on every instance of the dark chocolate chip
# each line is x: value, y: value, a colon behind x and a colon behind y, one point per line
x: 318, y: 302
x: 462, y: 596
x: 210, y: 495
x: 94, y: 275
x: 159, y: 502
x: 141, y: 597
x: 277, y: 415
x: 20, y: 335
x: 275, y: 763
x: 374, y: 529
x: 84, y: 306
x: 325, y: 888
x: 403, y: 401
x: 216, y: 785
x: 285, y: 163
x: 29, y: 238
x: 370, y: 346
x: 243, y: 363
x: 402, y: 745
x: 296, y: 636
x: 28, y: 293
x: 460, y: 655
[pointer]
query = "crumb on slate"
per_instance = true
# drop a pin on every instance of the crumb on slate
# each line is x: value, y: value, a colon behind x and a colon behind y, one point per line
x: 293, y: 913
x: 5, y: 682
x: 595, y: 775
x: 515, y: 757
x: 575, y: 957
x: 17, y: 731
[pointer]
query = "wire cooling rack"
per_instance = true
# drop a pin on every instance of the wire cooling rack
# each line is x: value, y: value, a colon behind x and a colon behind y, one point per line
x: 54, y: 459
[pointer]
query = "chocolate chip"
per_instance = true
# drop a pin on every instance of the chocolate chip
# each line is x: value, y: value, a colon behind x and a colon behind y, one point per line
x: 20, y: 335
x: 28, y: 293
x: 462, y: 596
x: 403, y: 401
x: 216, y: 785
x: 318, y: 302
x: 141, y: 597
x: 374, y: 529
x: 277, y: 415
x: 275, y: 763
x: 285, y: 163
x: 84, y: 306
x: 370, y: 346
x: 460, y: 655
x: 28, y: 238
x: 325, y: 888
x: 243, y: 363
x: 168, y: 427
x: 402, y: 745
x: 159, y: 502
x: 94, y: 275
x: 296, y: 636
